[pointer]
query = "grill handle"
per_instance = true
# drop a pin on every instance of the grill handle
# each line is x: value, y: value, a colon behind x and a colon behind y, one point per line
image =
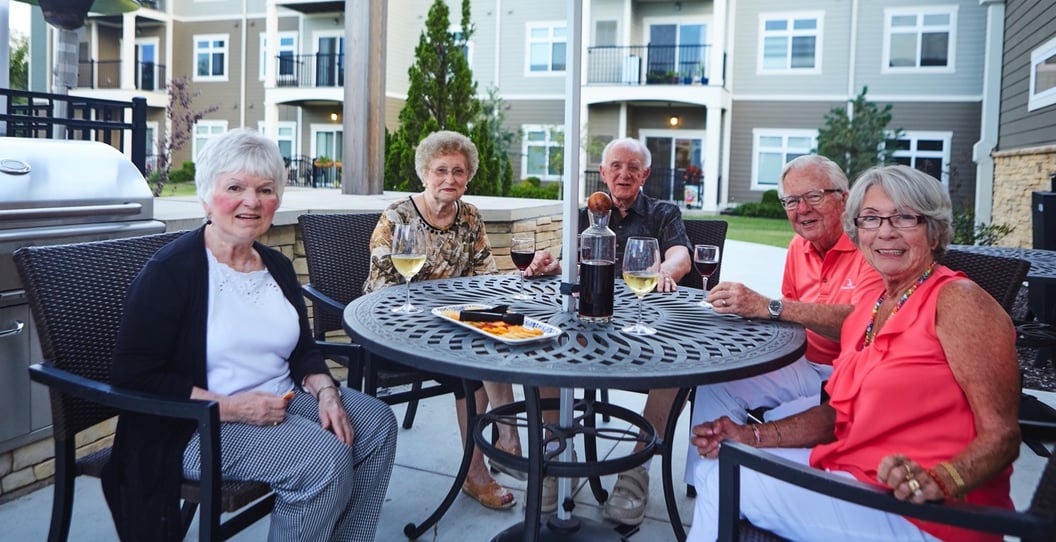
x: 19, y: 324
x: 74, y: 211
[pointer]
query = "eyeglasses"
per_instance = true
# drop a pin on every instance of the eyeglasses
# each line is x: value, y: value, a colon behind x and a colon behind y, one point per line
x: 812, y: 197
x: 457, y: 173
x: 903, y: 221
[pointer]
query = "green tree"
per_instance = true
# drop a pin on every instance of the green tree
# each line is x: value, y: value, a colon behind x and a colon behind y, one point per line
x: 442, y: 96
x: 859, y: 140
x: 19, y: 71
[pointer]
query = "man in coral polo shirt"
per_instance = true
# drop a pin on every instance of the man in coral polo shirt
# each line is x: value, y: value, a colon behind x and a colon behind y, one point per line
x: 825, y: 276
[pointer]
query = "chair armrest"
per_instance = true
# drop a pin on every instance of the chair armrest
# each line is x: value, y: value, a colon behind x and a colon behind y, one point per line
x: 121, y: 399
x: 352, y: 351
x: 968, y: 516
x: 326, y: 302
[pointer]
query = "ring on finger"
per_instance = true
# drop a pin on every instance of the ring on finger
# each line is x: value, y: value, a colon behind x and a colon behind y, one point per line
x: 914, y: 487
x: 725, y: 303
x: 909, y: 473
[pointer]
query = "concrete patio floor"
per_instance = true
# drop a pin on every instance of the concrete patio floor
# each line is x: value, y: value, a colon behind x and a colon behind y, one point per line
x: 428, y: 455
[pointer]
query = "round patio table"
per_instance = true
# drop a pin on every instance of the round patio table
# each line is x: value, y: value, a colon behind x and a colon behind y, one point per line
x: 693, y: 345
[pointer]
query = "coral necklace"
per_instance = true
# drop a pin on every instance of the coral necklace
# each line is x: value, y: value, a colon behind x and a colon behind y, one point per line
x: 869, y: 334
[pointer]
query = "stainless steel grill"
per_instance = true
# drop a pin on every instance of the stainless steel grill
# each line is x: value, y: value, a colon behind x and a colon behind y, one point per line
x: 54, y: 192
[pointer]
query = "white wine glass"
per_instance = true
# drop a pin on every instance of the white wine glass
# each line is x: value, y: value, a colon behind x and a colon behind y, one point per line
x: 522, y: 250
x: 641, y: 271
x: 408, y: 256
x: 706, y: 261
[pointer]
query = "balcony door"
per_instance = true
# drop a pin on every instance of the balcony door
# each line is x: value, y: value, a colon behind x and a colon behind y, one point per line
x: 329, y: 60
x: 677, y: 51
x: 147, y: 64
x: 678, y: 157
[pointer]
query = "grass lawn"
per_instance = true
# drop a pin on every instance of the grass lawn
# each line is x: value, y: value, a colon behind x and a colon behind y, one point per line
x: 765, y: 231
x: 178, y: 189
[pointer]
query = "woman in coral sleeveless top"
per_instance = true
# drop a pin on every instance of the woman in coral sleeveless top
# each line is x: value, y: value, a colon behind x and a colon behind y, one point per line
x: 923, y: 397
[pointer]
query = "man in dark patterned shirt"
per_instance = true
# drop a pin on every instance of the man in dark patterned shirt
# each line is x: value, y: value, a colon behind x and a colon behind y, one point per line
x: 624, y: 170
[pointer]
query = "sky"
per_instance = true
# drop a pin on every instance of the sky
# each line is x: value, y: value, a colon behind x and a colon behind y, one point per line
x: 19, y: 17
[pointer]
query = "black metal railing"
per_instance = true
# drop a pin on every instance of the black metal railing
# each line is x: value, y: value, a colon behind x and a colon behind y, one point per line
x: 310, y: 71
x: 648, y: 65
x: 667, y: 184
x: 304, y: 171
x: 41, y: 115
x: 150, y: 76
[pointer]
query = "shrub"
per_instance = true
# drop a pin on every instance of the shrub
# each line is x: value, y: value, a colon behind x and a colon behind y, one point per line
x: 532, y: 188
x: 967, y: 232
x: 184, y: 174
x: 769, y: 207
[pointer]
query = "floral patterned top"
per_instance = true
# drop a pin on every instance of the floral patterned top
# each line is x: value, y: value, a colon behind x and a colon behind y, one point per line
x: 462, y: 250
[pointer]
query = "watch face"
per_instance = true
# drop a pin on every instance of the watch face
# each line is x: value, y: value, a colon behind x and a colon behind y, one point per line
x: 775, y: 307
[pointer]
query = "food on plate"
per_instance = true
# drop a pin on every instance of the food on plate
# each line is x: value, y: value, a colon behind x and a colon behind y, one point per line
x: 500, y: 328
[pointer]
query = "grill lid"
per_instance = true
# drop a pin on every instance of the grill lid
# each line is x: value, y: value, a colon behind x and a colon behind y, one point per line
x: 46, y: 182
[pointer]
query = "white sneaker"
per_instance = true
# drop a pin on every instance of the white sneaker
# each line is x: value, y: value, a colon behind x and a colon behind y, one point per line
x: 626, y: 502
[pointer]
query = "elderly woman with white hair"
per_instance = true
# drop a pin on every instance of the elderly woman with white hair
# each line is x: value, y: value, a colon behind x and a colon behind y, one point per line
x: 216, y: 315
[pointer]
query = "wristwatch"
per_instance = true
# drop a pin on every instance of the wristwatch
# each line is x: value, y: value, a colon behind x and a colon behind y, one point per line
x: 775, y: 307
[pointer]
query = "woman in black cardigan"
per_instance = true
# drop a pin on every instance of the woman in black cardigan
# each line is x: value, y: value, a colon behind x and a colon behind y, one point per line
x: 217, y: 316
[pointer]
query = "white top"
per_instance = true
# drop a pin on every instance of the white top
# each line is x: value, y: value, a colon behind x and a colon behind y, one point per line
x: 250, y: 332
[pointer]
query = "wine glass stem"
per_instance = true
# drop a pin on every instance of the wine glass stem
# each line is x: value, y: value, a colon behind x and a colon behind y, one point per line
x: 639, y: 311
x: 522, y: 282
x: 408, y: 291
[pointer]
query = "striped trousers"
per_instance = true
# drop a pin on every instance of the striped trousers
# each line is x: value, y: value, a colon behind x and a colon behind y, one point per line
x: 324, y: 489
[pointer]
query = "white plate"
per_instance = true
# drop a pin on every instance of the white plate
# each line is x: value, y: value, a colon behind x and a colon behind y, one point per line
x: 549, y: 331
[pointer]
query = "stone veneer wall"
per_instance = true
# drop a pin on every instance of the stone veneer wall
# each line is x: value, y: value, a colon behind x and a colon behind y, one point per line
x: 32, y: 466
x: 1018, y: 173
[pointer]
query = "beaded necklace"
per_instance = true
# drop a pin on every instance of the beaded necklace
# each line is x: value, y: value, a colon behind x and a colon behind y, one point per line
x: 869, y: 335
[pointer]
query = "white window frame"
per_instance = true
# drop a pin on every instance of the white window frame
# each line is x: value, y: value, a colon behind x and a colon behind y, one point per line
x: 551, y: 28
x: 456, y: 31
x: 1047, y: 97
x: 206, y: 130
x: 790, y: 18
x: 920, y: 13
x: 913, y: 154
x: 196, y: 51
x: 785, y: 150
x: 266, y: 63
x: 551, y: 131
x: 159, y: 86
x: 282, y: 124
x: 315, y: 129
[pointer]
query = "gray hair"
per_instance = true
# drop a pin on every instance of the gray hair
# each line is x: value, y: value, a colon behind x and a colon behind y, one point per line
x: 912, y: 191
x: 628, y: 143
x: 833, y: 172
x: 444, y: 142
x: 238, y: 151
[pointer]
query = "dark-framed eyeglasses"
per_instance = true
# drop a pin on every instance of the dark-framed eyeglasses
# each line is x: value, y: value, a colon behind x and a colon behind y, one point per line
x: 900, y: 221
x: 812, y: 197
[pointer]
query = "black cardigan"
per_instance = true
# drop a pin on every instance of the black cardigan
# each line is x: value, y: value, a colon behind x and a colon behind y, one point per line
x: 161, y: 349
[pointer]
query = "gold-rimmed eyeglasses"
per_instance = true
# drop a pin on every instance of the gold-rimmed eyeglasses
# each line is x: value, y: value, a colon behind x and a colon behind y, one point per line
x: 812, y: 197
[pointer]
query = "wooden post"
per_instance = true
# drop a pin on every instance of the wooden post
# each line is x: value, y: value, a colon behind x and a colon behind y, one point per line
x: 363, y: 167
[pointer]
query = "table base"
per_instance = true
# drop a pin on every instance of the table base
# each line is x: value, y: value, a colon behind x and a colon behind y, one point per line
x: 561, y: 530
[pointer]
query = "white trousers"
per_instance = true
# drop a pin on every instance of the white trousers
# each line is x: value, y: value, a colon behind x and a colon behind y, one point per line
x: 793, y: 512
x: 786, y: 391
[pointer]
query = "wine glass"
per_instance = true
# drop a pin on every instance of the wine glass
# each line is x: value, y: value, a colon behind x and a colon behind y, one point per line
x: 522, y: 250
x: 641, y: 271
x: 706, y: 260
x: 408, y: 256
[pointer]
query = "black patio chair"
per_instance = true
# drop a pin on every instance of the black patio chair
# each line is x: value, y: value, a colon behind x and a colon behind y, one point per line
x: 337, y: 249
x: 76, y: 293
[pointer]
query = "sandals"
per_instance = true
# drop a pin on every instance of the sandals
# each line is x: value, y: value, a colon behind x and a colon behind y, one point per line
x: 497, y: 467
x: 490, y: 495
x: 626, y: 504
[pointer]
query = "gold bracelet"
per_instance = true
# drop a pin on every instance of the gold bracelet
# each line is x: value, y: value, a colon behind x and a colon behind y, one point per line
x: 956, y: 476
x: 778, y: 430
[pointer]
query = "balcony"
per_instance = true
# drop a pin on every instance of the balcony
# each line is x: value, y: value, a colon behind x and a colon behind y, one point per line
x: 106, y: 74
x: 310, y: 71
x: 664, y: 183
x: 648, y: 65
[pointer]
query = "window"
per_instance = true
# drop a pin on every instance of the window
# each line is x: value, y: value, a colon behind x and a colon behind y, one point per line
x: 210, y: 54
x: 204, y: 130
x: 286, y: 140
x: 546, y: 48
x: 286, y: 60
x: 677, y: 53
x: 790, y: 42
x: 467, y: 46
x: 919, y: 39
x: 1042, y: 76
x: 773, y: 148
x: 927, y: 151
x: 543, y: 150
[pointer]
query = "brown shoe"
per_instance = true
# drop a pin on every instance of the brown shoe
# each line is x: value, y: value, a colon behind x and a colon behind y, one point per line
x: 491, y: 495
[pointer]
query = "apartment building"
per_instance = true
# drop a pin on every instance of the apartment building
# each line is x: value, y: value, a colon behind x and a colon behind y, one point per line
x: 722, y: 92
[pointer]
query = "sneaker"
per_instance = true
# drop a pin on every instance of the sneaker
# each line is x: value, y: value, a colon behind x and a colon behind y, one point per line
x: 549, y: 502
x: 626, y: 503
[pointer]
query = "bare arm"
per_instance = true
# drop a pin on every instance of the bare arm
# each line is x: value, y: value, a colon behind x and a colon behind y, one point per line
x: 676, y: 263
x: 808, y: 428
x: 822, y: 318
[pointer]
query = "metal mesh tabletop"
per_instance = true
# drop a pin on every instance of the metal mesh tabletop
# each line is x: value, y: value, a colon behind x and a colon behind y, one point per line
x: 693, y: 345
